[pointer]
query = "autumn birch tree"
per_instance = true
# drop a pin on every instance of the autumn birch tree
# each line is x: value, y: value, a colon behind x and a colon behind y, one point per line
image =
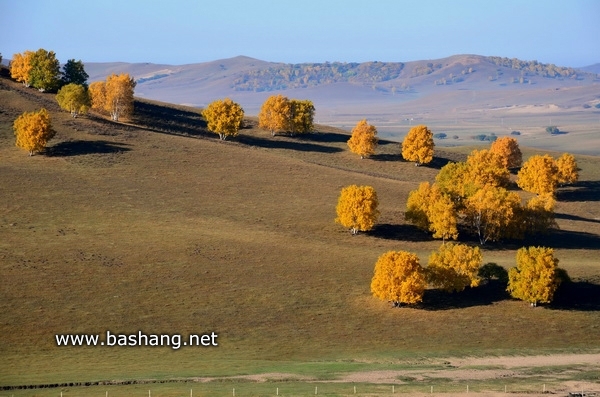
x: 538, y: 175
x: 363, y: 140
x: 119, y: 95
x: 535, y: 278
x: 508, y: 150
x: 275, y: 114
x: 454, y: 267
x: 301, y: 116
x: 418, y: 145
x: 45, y: 71
x: 224, y: 117
x: 567, y: 169
x: 399, y: 278
x: 357, y: 208
x: 33, y: 130
x: 486, y: 169
x: 20, y: 67
x: 73, y: 98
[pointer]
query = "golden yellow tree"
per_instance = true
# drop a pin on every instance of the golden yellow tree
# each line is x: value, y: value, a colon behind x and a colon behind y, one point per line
x: 357, y: 208
x: 399, y: 278
x: 301, y: 116
x: 567, y: 169
x: 538, y: 175
x: 490, y: 212
x: 20, y: 67
x: 275, y: 114
x: 486, y: 169
x: 535, y: 278
x: 33, y: 130
x: 454, y: 179
x: 224, y: 117
x: 508, y: 150
x: 73, y: 98
x: 443, y: 219
x: 539, y: 214
x: 119, y: 95
x: 97, y: 92
x: 454, y: 267
x: 417, y: 205
x: 418, y: 145
x: 363, y: 140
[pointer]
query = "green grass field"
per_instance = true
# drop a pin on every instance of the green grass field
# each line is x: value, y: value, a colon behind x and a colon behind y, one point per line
x: 156, y: 226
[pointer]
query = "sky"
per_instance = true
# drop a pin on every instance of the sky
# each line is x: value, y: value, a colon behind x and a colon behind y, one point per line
x: 175, y: 32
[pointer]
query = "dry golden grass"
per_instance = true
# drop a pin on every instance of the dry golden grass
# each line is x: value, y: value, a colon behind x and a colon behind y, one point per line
x: 162, y: 228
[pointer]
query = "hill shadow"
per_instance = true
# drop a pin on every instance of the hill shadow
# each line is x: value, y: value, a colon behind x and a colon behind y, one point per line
x: 486, y: 294
x: 168, y: 119
x: 399, y: 232
x: 577, y: 295
x: 80, y: 147
x: 288, y: 144
x: 580, y: 191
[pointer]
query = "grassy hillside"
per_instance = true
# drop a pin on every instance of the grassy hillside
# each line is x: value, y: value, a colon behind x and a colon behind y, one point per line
x: 155, y: 225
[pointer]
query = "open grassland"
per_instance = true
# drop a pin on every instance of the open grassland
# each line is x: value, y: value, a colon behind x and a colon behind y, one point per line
x: 156, y: 226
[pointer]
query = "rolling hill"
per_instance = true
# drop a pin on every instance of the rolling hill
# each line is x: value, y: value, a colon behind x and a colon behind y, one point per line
x: 462, y: 95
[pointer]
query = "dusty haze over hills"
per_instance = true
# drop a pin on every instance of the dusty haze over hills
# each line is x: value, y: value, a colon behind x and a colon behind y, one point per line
x: 462, y: 95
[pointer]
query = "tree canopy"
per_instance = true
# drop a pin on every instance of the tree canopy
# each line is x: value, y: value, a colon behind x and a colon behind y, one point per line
x: 508, y: 150
x: 454, y: 267
x: 535, y: 278
x: 538, y: 175
x: 20, y: 67
x: 364, y: 139
x: 224, y: 117
x: 73, y: 98
x: 275, y: 113
x: 33, y: 130
x: 399, y: 278
x: 418, y: 145
x: 74, y: 73
x: 357, y: 208
x: 114, y: 96
x: 45, y: 71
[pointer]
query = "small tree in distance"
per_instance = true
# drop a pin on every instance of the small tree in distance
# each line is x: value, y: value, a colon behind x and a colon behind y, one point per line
x: 33, y: 130
x: 363, y: 140
x: 224, y: 117
x: 399, y: 278
x: 275, y: 113
x: 418, y: 145
x: 357, y: 208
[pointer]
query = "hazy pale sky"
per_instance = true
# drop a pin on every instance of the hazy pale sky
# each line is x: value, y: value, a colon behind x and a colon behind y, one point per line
x: 566, y: 33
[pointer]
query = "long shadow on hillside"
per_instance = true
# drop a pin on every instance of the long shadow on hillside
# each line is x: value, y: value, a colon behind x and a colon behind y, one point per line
x: 399, y: 232
x: 327, y: 137
x: 575, y: 218
x: 577, y: 295
x: 556, y: 238
x: 168, y: 119
x: 580, y: 191
x: 277, y: 143
x: 79, y: 148
x: 486, y: 294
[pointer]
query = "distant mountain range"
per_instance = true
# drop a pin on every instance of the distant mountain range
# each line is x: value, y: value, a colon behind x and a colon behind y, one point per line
x: 249, y: 81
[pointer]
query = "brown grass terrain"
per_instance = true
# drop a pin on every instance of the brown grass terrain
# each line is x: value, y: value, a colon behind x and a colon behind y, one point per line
x: 155, y: 225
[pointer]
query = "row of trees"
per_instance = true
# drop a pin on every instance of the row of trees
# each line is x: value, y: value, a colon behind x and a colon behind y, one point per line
x: 41, y: 70
x: 399, y: 278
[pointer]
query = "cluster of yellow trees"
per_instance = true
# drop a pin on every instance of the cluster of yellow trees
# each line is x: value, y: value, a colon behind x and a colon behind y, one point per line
x: 277, y: 114
x: 474, y: 194
x: 40, y: 69
x: 399, y: 277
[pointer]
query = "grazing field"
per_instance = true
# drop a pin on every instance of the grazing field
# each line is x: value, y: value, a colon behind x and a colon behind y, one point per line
x: 156, y: 226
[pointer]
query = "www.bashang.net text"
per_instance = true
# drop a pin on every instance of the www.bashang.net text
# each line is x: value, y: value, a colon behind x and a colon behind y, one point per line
x: 175, y: 341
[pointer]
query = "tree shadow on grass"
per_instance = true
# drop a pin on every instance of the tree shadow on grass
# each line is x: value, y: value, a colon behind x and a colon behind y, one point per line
x: 577, y: 295
x: 80, y: 147
x: 399, y: 232
x: 486, y: 294
x: 580, y: 191
x: 575, y: 218
x: 288, y: 144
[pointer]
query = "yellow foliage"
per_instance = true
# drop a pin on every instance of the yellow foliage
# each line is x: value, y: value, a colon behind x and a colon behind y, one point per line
x: 508, y: 150
x: 417, y: 205
x: 443, y: 219
x: 486, y: 169
x: 454, y: 179
x: 357, y: 208
x: 363, y: 140
x: 302, y: 116
x: 418, y: 145
x: 119, y: 95
x: 97, y: 92
x: 538, y: 175
x: 491, y: 211
x: 430, y: 210
x: 33, y: 130
x: 535, y: 278
x: 224, y: 117
x: 567, y: 169
x: 539, y: 212
x: 20, y: 67
x: 454, y: 267
x: 275, y: 114
x: 73, y: 98
x: 398, y: 277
